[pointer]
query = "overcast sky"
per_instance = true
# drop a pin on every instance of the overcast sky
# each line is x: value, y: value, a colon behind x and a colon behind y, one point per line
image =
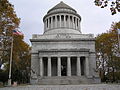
x: 94, y: 19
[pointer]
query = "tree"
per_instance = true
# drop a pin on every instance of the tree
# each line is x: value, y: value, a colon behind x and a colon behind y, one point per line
x: 21, y: 50
x: 114, y: 5
x: 21, y: 60
x: 108, y: 53
x: 8, y: 22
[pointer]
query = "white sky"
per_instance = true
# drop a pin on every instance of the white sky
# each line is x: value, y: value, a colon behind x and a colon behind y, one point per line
x: 94, y: 19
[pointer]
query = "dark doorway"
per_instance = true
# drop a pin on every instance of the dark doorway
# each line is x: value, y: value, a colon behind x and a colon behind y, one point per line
x: 63, y: 66
x: 73, y: 66
x: 82, y: 61
x: 45, y: 63
x: 54, y: 66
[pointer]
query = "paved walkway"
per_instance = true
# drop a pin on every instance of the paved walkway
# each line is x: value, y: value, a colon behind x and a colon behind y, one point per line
x: 65, y: 87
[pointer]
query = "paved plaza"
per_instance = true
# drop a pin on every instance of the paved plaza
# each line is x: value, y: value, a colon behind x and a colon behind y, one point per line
x: 66, y: 87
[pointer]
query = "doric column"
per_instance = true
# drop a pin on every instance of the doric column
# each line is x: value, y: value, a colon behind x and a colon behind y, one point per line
x: 64, y: 20
x: 59, y: 66
x: 52, y: 22
x: 60, y: 21
x: 41, y: 66
x: 49, y: 66
x: 48, y: 23
x: 72, y: 22
x: 87, y: 66
x: 45, y: 25
x: 78, y: 24
x: 68, y: 67
x: 68, y: 21
x: 78, y: 67
x: 56, y: 21
x: 75, y: 23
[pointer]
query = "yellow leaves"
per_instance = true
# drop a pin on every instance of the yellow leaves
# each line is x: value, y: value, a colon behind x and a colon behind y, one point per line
x: 107, y: 43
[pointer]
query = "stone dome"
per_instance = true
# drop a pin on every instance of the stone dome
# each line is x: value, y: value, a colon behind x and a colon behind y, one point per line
x: 62, y: 19
x: 62, y: 5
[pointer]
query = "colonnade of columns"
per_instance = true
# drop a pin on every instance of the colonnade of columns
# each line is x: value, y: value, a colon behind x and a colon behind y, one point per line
x: 79, y: 67
x: 66, y: 21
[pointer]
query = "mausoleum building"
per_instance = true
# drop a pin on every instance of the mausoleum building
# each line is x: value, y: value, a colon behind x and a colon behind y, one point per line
x: 62, y: 54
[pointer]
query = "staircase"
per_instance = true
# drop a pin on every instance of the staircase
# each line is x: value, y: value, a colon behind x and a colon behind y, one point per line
x: 64, y: 80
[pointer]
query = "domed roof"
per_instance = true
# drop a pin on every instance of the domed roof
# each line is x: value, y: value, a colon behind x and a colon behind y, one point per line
x: 62, y: 5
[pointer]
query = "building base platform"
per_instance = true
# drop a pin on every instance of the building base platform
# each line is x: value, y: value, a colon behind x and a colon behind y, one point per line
x: 65, y: 80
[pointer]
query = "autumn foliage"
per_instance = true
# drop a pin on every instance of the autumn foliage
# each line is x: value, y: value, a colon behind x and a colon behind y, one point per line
x: 21, y: 50
x: 108, y: 54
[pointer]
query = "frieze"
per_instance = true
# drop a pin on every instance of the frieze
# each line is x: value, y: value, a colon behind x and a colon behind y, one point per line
x: 63, y: 36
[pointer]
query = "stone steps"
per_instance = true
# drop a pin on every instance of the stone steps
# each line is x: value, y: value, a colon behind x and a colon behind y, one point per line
x: 65, y: 80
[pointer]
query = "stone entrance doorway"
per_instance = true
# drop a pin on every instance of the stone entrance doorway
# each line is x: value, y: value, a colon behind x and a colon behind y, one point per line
x: 73, y: 66
x: 82, y: 61
x: 63, y: 66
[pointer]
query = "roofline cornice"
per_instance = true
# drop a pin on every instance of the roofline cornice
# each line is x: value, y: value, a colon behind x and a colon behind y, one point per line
x: 59, y: 40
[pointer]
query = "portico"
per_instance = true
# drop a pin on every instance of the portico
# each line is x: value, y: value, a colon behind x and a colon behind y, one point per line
x: 66, y: 68
x: 59, y: 64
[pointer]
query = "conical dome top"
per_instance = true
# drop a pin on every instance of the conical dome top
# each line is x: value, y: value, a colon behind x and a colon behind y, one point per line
x: 62, y: 5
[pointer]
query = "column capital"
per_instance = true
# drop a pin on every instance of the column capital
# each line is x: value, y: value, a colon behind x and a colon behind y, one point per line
x: 68, y: 56
x: 58, y: 56
x: 78, y: 56
x: 48, y: 56
x: 39, y: 58
x: 86, y: 56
